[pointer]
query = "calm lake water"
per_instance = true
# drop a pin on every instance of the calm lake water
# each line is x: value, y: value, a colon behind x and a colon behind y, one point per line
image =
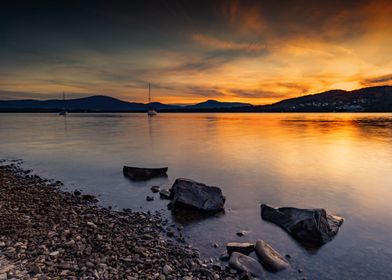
x: 341, y: 162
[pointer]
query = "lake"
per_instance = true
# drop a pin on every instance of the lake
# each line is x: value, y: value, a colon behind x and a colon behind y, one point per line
x: 340, y: 162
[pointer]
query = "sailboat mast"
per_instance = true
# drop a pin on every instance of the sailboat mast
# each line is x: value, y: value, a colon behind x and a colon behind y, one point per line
x: 63, y: 101
x: 149, y: 93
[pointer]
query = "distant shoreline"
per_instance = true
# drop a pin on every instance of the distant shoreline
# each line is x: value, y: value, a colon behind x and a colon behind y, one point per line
x: 371, y: 100
x: 179, y: 112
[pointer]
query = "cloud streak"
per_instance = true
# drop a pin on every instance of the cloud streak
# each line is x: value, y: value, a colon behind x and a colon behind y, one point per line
x: 228, y: 45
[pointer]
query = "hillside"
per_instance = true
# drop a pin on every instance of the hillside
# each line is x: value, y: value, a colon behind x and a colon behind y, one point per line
x: 213, y: 104
x: 90, y: 104
x: 371, y: 99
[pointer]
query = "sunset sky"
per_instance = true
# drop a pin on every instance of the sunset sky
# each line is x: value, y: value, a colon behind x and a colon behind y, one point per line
x: 250, y: 51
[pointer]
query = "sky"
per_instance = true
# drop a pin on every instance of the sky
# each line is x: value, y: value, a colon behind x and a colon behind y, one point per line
x: 190, y: 51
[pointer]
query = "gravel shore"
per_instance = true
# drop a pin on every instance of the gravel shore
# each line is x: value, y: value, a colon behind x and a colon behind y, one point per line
x: 46, y: 233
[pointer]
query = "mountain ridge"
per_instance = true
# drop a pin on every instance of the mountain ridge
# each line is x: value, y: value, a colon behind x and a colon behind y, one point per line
x: 369, y: 99
x: 106, y: 103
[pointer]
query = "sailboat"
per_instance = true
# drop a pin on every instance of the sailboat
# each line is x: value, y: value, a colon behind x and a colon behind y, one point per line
x: 64, y: 111
x: 151, y: 111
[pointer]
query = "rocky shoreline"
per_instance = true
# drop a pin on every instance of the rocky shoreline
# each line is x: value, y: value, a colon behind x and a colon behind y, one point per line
x: 46, y: 233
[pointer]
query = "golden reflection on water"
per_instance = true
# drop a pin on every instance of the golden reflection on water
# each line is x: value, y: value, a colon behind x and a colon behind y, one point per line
x: 350, y: 151
x: 341, y: 162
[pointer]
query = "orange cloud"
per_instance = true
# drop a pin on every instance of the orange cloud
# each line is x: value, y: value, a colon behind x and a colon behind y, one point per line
x: 244, y: 18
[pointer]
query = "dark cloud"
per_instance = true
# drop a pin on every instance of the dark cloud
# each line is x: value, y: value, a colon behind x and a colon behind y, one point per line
x: 377, y: 80
x: 296, y: 87
x: 12, y: 95
x: 207, y: 93
x: 256, y: 93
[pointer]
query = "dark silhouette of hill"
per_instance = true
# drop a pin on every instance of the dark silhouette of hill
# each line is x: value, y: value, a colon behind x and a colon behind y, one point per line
x: 213, y: 104
x: 370, y: 99
x: 101, y: 103
x: 96, y: 103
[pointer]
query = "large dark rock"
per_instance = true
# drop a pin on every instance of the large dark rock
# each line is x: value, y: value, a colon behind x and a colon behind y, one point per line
x: 311, y: 227
x: 140, y: 174
x: 185, y: 192
x: 270, y: 258
x: 246, y: 264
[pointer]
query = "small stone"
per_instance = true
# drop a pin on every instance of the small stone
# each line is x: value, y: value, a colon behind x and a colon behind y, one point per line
x: 269, y: 257
x: 244, y: 248
x: 246, y: 264
x: 167, y: 270
x: 155, y: 189
x: 165, y: 194
x: 35, y: 269
x: 224, y: 257
x: 91, y: 224
x: 89, y: 198
x: 54, y: 253
x: 149, y: 198
x: 245, y: 276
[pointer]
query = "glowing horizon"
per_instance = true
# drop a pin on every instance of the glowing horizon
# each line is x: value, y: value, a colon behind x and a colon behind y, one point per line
x: 245, y: 51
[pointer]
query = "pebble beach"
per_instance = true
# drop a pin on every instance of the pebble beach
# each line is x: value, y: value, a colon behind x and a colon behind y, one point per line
x: 47, y: 233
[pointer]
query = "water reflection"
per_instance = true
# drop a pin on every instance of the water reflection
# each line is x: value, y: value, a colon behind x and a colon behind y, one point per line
x: 340, y: 162
x: 186, y: 216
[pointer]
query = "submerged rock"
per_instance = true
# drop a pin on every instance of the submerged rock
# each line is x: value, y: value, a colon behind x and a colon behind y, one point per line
x: 139, y: 173
x: 270, y: 258
x: 185, y: 192
x: 243, y: 248
x: 246, y: 264
x: 90, y: 198
x: 311, y: 227
x: 241, y: 233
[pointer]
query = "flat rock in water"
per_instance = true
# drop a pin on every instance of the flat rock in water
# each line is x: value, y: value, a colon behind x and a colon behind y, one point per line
x: 311, y: 227
x: 246, y: 264
x: 270, y: 258
x: 185, y: 192
x: 140, y: 173
x: 243, y: 248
